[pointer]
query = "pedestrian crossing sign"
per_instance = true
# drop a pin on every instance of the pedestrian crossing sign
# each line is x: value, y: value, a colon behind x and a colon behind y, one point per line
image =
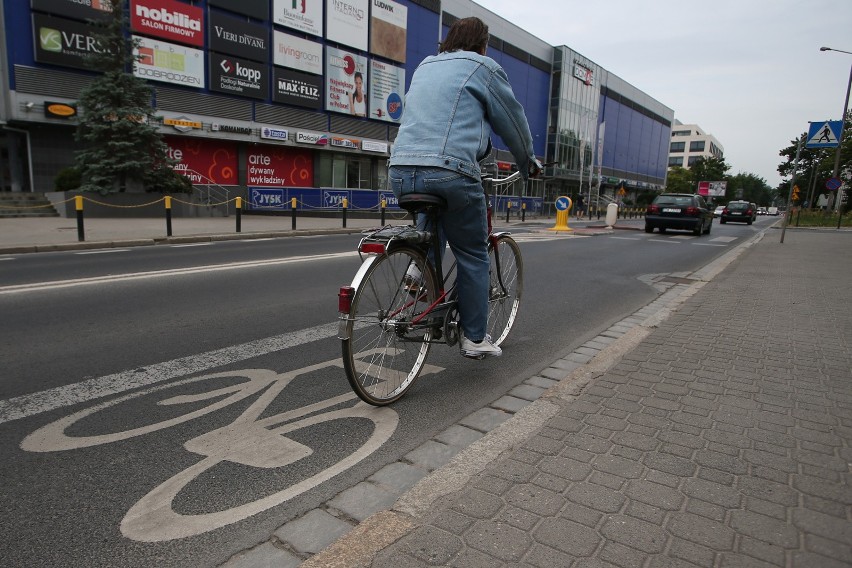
x: 824, y: 134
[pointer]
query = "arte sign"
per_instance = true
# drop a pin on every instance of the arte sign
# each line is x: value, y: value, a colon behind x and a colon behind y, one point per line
x: 297, y: 53
x: 167, y: 19
x: 303, y: 15
x: 346, y: 22
x: 238, y: 37
x: 388, y: 29
x: 238, y: 76
x: 295, y: 88
x: 170, y: 63
x: 77, y: 9
x: 63, y: 42
x: 342, y: 68
x: 275, y: 166
x: 204, y: 160
x: 257, y: 9
x: 387, y: 86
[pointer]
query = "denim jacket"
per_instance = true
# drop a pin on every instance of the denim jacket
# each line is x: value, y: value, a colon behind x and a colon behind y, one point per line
x: 454, y: 101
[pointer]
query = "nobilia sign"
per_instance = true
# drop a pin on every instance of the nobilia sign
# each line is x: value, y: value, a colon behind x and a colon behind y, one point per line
x: 238, y: 37
x: 238, y: 76
x: 77, y: 9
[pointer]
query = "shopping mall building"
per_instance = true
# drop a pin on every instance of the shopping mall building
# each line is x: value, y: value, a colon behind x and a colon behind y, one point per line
x: 255, y: 96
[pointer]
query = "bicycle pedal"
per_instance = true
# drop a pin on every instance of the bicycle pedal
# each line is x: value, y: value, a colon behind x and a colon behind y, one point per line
x: 476, y: 357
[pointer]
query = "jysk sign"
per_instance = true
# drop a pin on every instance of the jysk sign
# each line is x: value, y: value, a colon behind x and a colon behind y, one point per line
x: 238, y: 76
x: 63, y: 42
x: 238, y: 37
x: 77, y: 9
x: 170, y: 20
x: 295, y: 88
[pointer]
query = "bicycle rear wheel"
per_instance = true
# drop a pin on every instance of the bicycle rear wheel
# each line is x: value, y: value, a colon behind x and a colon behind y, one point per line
x: 385, y: 347
x: 505, y: 288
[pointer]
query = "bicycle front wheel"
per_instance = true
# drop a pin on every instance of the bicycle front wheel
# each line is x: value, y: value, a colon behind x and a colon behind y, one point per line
x: 505, y: 288
x: 387, y: 338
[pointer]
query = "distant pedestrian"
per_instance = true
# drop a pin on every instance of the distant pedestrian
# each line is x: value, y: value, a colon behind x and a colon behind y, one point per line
x: 580, y: 206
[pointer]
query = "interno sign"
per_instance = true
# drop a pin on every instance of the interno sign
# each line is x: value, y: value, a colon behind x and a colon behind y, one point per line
x: 170, y: 20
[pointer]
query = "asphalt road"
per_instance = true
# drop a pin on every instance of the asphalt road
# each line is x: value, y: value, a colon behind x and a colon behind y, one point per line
x: 155, y: 403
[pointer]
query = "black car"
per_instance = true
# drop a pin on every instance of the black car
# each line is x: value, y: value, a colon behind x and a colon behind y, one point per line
x: 680, y: 211
x: 740, y: 212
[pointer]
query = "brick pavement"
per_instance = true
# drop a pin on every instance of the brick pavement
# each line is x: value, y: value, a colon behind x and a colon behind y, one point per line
x: 721, y: 440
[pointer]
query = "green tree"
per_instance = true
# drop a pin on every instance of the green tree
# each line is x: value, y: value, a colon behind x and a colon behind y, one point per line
x: 754, y: 188
x: 117, y: 129
x: 679, y: 180
x: 709, y: 169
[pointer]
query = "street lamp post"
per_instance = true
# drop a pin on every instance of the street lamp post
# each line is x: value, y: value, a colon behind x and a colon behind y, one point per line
x: 836, y: 171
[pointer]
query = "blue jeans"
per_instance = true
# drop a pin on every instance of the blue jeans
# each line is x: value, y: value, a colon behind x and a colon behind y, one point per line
x: 465, y: 226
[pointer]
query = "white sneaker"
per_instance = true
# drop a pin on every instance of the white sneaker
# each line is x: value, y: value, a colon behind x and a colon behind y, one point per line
x: 479, y: 350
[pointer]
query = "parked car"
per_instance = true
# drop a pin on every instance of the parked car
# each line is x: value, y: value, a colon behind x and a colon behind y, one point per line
x: 718, y: 211
x: 679, y: 211
x: 740, y: 212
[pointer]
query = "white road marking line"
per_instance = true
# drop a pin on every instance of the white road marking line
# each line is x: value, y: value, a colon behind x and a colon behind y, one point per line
x: 8, y: 258
x: 669, y: 241
x: 44, y: 401
x: 38, y: 286
x: 627, y: 238
x: 101, y: 251
x: 709, y: 245
x: 185, y: 245
x: 723, y: 239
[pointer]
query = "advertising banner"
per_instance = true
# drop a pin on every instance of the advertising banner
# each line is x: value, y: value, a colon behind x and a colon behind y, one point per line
x: 238, y: 37
x: 344, y: 72
x: 388, y: 29
x: 203, y: 160
x: 387, y: 88
x: 170, y: 63
x: 274, y: 166
x: 63, y: 42
x: 302, y: 15
x: 297, y: 53
x: 88, y: 10
x: 712, y: 188
x: 257, y: 9
x: 347, y: 22
x: 238, y: 76
x: 174, y: 21
x: 295, y: 88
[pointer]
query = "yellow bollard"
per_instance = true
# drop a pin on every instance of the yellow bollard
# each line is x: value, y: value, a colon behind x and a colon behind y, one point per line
x: 168, y: 202
x: 78, y: 206
x: 563, y: 211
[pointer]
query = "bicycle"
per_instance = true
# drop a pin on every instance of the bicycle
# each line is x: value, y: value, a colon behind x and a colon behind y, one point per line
x: 400, y: 302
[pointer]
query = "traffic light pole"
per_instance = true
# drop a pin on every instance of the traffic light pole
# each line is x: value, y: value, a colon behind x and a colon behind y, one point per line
x: 792, y: 182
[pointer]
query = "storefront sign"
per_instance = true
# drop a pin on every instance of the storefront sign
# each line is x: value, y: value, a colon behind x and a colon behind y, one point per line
x: 388, y: 29
x: 63, y: 42
x: 295, y: 88
x: 346, y: 22
x: 583, y: 73
x: 311, y: 138
x: 341, y: 142
x: 216, y: 127
x: 387, y: 86
x: 342, y: 70
x: 257, y: 9
x: 238, y: 76
x: 203, y: 160
x: 238, y: 37
x: 182, y: 124
x: 274, y: 134
x: 59, y: 110
x: 76, y: 9
x: 302, y: 15
x: 275, y: 166
x: 370, y: 146
x: 174, y: 21
x: 170, y: 63
x: 296, y: 53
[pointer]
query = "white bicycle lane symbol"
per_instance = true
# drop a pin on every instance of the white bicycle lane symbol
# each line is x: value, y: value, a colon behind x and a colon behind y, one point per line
x: 249, y: 440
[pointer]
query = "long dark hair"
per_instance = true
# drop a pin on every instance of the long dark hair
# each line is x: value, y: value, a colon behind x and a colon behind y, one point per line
x: 467, y: 34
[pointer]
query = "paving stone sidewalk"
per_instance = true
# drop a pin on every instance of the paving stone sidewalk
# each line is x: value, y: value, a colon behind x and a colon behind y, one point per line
x: 722, y: 440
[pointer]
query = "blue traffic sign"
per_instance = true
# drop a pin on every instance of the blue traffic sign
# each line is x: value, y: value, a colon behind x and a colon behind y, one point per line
x: 824, y: 134
x: 563, y: 203
x: 833, y: 184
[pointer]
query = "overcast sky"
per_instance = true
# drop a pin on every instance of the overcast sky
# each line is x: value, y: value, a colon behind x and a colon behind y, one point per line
x: 749, y: 72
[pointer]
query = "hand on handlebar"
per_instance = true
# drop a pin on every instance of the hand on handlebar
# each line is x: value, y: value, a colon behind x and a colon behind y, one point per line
x: 535, y: 168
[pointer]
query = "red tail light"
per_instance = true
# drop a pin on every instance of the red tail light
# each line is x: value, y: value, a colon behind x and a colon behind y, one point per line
x: 373, y: 248
x: 693, y: 211
x: 748, y: 211
x: 344, y: 299
x: 653, y: 209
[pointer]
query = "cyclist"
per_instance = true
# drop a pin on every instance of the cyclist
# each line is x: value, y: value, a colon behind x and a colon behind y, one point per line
x: 456, y: 99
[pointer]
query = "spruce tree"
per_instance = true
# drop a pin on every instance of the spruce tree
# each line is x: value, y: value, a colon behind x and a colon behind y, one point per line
x: 117, y: 129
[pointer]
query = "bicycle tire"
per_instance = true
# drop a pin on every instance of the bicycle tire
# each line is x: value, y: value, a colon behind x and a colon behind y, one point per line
x: 383, y: 349
x: 505, y: 288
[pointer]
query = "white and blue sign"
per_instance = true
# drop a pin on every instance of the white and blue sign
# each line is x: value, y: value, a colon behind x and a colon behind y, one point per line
x: 824, y: 134
x: 260, y: 198
x: 563, y: 203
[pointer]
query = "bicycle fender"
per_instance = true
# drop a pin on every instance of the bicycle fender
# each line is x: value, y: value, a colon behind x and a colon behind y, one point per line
x: 342, y: 331
x: 496, y: 235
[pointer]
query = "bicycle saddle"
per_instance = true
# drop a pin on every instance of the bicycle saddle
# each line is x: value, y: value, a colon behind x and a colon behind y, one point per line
x: 416, y: 202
